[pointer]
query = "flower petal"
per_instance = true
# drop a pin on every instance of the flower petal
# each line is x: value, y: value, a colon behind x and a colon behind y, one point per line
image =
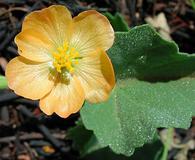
x: 92, y: 31
x: 34, y: 46
x: 44, y: 30
x: 29, y: 79
x: 64, y: 99
x: 97, y: 76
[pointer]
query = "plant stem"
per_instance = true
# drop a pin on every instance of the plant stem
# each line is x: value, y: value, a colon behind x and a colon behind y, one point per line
x: 167, y: 143
x: 193, y: 4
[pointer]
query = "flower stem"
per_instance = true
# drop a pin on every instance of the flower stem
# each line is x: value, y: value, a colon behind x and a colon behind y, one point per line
x: 167, y: 143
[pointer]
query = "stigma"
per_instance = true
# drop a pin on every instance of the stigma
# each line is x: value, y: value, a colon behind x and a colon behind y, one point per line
x: 65, y: 58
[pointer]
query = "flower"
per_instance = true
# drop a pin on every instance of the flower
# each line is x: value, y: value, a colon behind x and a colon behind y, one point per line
x: 62, y: 60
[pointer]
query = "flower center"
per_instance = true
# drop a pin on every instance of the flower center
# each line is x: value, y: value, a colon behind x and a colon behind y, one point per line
x: 65, y: 58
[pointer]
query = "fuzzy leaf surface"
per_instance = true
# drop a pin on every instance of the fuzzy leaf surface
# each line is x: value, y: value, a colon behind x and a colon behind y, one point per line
x: 155, y: 88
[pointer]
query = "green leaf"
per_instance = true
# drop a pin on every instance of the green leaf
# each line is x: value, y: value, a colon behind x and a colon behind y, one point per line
x: 148, y: 152
x: 141, y: 53
x: 117, y: 21
x: 151, y: 151
x: 104, y: 154
x: 3, y: 82
x: 137, y: 107
x: 83, y: 140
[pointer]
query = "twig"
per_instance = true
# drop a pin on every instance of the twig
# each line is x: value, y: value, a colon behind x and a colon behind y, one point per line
x: 57, y: 144
x: 5, y: 114
x: 29, y: 136
x: 14, y: 9
x: 9, y: 38
x: 27, y: 101
x: 13, y: 34
x: 7, y: 97
x: 131, y: 4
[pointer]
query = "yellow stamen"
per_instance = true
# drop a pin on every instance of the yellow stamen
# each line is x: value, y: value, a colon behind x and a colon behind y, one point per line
x: 65, y: 58
x: 71, y: 70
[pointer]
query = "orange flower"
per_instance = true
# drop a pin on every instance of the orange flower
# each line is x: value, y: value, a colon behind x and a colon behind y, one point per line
x: 62, y: 60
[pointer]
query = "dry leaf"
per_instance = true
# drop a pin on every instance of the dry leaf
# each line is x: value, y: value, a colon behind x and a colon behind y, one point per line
x: 160, y: 23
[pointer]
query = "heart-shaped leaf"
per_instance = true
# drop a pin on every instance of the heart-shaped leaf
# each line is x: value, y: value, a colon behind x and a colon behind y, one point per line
x: 155, y: 88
